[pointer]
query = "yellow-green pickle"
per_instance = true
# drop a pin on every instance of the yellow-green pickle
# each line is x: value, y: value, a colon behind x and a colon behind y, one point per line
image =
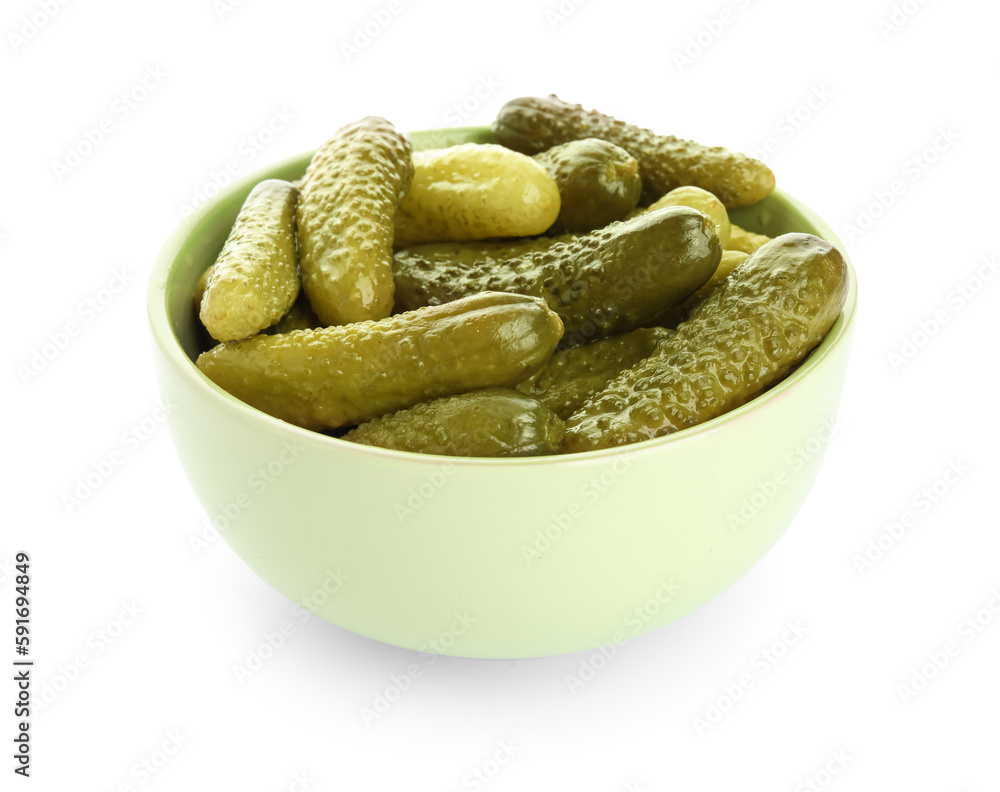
x: 255, y: 279
x: 475, y: 191
x: 743, y: 240
x: 199, y: 289
x: 571, y: 376
x: 676, y: 314
x: 740, y: 340
x: 731, y: 259
x: 496, y: 422
x: 699, y: 199
x: 598, y: 183
x: 533, y: 124
x: 344, y: 375
x: 345, y: 214
x: 609, y: 281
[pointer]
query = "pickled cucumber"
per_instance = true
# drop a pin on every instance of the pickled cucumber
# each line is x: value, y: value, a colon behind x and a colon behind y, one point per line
x: 608, y: 281
x: 598, y: 183
x: 345, y: 213
x: 702, y: 200
x: 343, y: 375
x: 496, y: 422
x: 741, y: 339
x: 299, y: 317
x: 475, y: 191
x: 533, y: 124
x: 743, y: 240
x: 255, y: 278
x: 675, y: 314
x: 571, y: 376
x: 731, y: 259
x: 200, y: 286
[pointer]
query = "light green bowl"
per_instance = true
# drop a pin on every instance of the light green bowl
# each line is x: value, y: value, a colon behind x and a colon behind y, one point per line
x: 492, y: 558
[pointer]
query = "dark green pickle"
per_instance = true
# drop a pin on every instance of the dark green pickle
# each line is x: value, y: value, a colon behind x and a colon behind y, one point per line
x: 598, y: 183
x: 571, y: 376
x: 606, y: 282
x: 532, y: 124
x: 744, y: 337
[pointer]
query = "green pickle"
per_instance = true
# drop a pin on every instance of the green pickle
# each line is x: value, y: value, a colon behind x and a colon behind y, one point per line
x: 299, y: 317
x: 675, y: 314
x: 475, y: 191
x: 598, y: 183
x: 740, y: 340
x: 731, y: 259
x: 532, y: 124
x: 744, y: 241
x: 345, y: 218
x: 343, y: 375
x: 571, y: 376
x: 609, y: 281
x: 255, y: 279
x: 496, y: 422
x: 704, y: 202
x: 200, y: 286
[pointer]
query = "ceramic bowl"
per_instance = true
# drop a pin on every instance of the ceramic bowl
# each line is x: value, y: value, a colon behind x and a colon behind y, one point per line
x: 481, y: 557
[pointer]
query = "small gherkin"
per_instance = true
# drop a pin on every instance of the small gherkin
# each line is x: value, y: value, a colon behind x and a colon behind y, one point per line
x: 533, y: 124
x: 299, y: 317
x: 571, y: 376
x: 745, y: 241
x: 475, y: 191
x: 255, y: 279
x: 609, y: 281
x: 342, y: 375
x: 744, y: 337
x: 345, y: 217
x: 702, y: 200
x: 598, y: 183
x: 496, y: 422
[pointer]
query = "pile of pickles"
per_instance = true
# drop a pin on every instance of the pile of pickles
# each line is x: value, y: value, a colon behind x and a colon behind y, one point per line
x: 575, y: 286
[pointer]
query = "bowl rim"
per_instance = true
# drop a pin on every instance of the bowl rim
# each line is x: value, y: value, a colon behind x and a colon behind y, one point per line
x: 169, y: 345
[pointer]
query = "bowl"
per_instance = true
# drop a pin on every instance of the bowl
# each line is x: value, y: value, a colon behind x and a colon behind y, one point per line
x: 492, y: 558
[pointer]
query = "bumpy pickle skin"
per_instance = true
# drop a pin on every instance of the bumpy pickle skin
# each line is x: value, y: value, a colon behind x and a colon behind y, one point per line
x: 496, y: 422
x: 740, y: 340
x: 475, y: 191
x: 255, y: 278
x: 702, y: 200
x: 343, y: 375
x: 571, y: 376
x: 533, y: 124
x: 744, y: 241
x: 200, y: 286
x: 598, y: 183
x: 731, y: 259
x: 608, y: 281
x: 299, y: 317
x: 345, y: 214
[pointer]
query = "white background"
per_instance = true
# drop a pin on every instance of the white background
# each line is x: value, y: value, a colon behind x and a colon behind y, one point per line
x: 889, y: 82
